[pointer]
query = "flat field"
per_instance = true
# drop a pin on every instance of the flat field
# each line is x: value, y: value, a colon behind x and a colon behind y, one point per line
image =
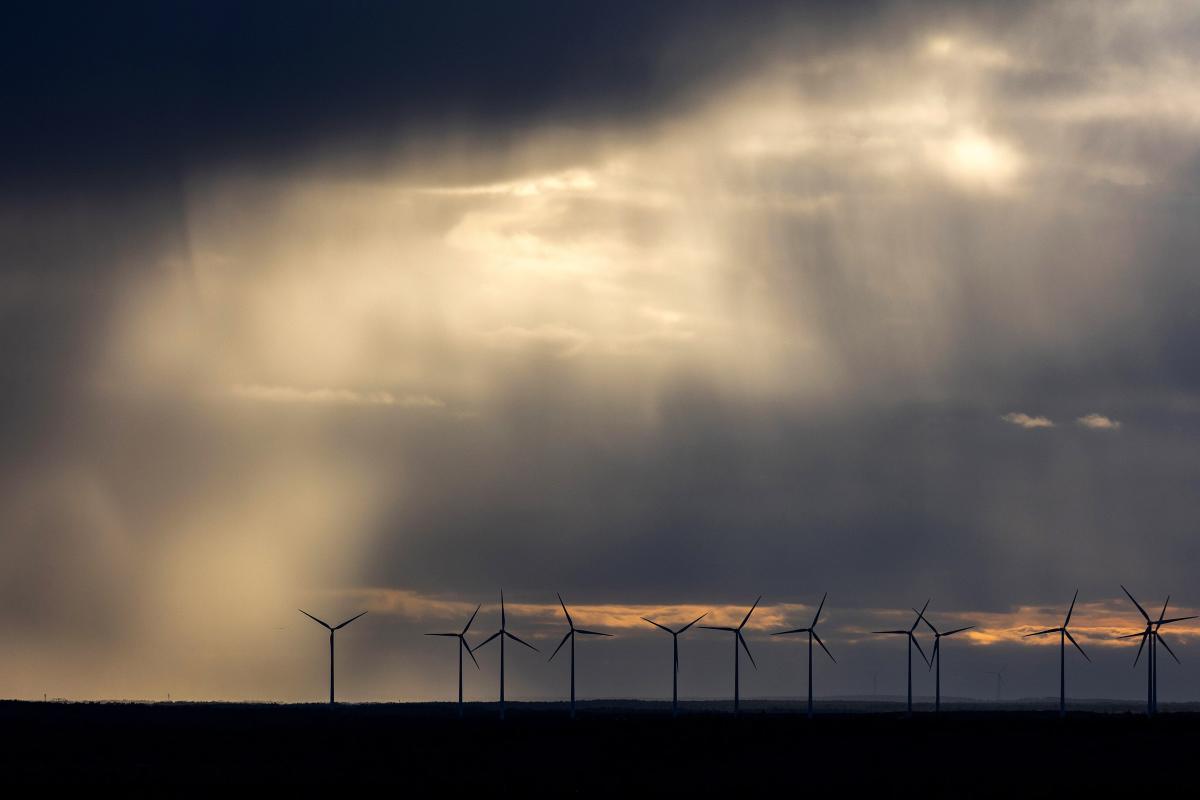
x: 609, y: 749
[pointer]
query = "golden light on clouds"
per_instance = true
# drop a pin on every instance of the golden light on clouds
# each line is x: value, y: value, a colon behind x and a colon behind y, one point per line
x: 611, y: 331
x: 1095, y: 624
x: 605, y: 616
x: 621, y: 251
x: 976, y: 160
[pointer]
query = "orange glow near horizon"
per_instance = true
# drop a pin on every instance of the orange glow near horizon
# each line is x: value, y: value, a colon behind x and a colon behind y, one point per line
x: 1097, y: 623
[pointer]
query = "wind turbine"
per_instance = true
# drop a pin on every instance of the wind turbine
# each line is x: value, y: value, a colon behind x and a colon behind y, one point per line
x: 332, y: 630
x: 936, y: 658
x: 737, y: 639
x: 811, y: 630
x: 675, y: 648
x: 911, y: 641
x: 1063, y: 635
x: 572, y: 630
x: 503, y: 634
x: 1151, y: 633
x: 462, y: 645
x: 999, y: 680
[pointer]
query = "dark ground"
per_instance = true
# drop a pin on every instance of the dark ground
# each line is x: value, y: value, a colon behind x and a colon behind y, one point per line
x: 539, y: 751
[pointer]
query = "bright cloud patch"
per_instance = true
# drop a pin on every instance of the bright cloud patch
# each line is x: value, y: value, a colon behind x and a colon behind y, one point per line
x: 331, y: 397
x: 973, y: 159
x: 1098, y: 422
x: 1025, y: 421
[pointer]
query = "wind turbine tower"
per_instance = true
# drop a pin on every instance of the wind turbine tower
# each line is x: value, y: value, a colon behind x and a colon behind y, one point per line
x: 1063, y: 636
x: 811, y: 630
x: 737, y: 639
x: 462, y: 645
x: 936, y: 658
x: 332, y: 630
x: 570, y: 634
x: 1152, y: 634
x: 675, y: 659
x: 911, y: 641
x: 503, y: 634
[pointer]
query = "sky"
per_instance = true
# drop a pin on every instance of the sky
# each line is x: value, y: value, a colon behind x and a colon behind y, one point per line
x: 659, y: 306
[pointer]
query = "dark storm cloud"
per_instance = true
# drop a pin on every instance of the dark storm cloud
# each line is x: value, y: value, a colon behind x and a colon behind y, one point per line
x: 126, y: 91
x: 725, y: 499
x: 161, y: 453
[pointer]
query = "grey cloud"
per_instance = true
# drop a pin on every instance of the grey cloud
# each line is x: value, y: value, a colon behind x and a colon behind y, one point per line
x: 828, y: 420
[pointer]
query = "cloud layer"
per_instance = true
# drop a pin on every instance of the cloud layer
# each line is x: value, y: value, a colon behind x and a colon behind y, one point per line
x: 658, y: 310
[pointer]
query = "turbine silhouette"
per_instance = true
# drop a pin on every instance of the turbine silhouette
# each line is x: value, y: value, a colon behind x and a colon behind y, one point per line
x: 737, y: 639
x: 675, y: 660
x: 332, y: 630
x: 503, y: 634
x: 462, y: 645
x: 1151, y: 633
x: 811, y: 630
x: 936, y: 658
x: 999, y: 680
x: 571, y: 631
x: 1063, y: 635
x: 911, y: 641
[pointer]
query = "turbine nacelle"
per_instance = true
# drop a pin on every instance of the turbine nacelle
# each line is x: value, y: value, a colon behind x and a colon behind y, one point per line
x: 462, y: 636
x: 325, y: 624
x: 910, y: 632
x: 812, y: 629
x: 571, y: 629
x: 738, y: 630
x: 937, y: 636
x: 1063, y: 628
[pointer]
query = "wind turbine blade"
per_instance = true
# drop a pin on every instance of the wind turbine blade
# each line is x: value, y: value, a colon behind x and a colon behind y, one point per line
x: 1163, y: 642
x: 1077, y: 647
x: 1141, y: 644
x: 655, y: 624
x: 560, y: 644
x: 817, y: 616
x: 937, y: 646
x: 958, y: 630
x: 823, y: 647
x: 917, y: 642
x: 314, y: 619
x: 1175, y: 619
x: 502, y: 619
x: 717, y: 628
x: 488, y: 639
x: 564, y: 608
x: 746, y: 647
x: 522, y: 641
x: 920, y: 616
x: 470, y: 652
x: 1163, y: 613
x: 1067, y: 621
x: 591, y: 633
x: 690, y: 624
x: 1131, y: 635
x: 928, y: 624
x: 347, y: 622
x: 794, y: 630
x: 455, y: 635
x: 746, y: 618
x: 1040, y: 633
x: 1136, y: 603
x: 467, y: 627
